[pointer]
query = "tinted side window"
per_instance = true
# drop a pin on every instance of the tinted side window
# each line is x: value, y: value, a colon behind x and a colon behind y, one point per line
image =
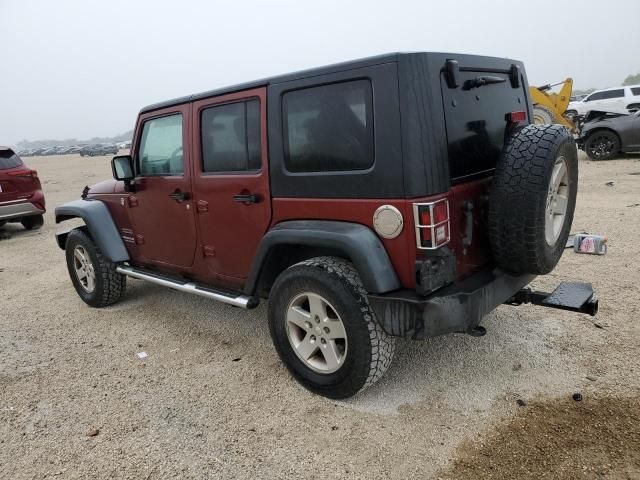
x: 614, y: 93
x: 329, y: 128
x: 595, y: 96
x: 8, y: 159
x: 160, y: 150
x: 230, y: 136
x: 635, y: 90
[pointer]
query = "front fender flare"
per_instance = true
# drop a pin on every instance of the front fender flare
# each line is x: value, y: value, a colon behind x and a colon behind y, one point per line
x: 101, y: 226
x: 356, y: 242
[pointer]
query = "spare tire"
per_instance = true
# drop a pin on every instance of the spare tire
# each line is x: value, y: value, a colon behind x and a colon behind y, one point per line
x: 532, y: 199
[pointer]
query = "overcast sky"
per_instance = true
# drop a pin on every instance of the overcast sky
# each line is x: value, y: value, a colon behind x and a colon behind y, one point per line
x: 84, y: 68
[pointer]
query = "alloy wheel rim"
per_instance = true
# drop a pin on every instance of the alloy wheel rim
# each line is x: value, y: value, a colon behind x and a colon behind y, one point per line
x: 316, y: 333
x: 84, y: 269
x: 557, y: 201
x: 601, y: 146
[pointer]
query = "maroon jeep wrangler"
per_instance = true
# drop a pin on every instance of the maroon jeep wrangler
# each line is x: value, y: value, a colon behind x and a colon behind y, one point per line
x: 404, y: 195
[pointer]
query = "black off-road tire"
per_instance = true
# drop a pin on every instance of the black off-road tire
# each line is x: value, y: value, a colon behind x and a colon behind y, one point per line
x: 32, y: 222
x: 518, y: 199
x: 602, y: 145
x: 109, y: 284
x: 370, y: 350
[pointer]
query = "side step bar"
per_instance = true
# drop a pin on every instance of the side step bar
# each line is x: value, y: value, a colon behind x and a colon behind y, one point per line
x: 572, y: 296
x: 241, y: 301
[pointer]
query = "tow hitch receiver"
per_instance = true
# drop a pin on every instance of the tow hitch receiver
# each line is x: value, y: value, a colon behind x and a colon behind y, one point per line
x: 573, y: 296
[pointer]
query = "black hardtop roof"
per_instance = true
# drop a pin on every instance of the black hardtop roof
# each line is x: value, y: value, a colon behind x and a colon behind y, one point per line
x: 312, y: 72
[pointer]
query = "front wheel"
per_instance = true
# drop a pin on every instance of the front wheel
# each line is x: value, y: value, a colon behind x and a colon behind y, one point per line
x: 324, y: 330
x: 602, y: 145
x: 92, y: 274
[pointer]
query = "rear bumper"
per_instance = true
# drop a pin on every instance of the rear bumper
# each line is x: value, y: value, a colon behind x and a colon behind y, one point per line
x: 9, y: 210
x: 456, y: 308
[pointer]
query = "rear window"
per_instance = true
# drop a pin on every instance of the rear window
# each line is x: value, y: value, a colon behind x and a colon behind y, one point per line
x: 476, y: 120
x: 8, y: 159
x: 635, y: 90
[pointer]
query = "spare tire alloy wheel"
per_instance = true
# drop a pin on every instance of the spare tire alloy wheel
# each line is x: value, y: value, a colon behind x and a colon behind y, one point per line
x: 316, y: 333
x: 557, y: 200
x: 532, y: 199
x: 602, y: 145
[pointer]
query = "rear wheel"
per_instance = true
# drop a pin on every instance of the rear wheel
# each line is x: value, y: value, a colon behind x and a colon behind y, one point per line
x: 533, y: 199
x: 33, y: 222
x: 602, y: 145
x: 92, y: 274
x: 324, y: 330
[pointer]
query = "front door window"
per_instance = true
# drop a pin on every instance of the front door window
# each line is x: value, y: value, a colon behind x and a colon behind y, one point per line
x: 161, y: 150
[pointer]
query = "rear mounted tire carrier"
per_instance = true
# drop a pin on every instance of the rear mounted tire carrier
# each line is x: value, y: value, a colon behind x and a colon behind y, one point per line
x: 572, y: 296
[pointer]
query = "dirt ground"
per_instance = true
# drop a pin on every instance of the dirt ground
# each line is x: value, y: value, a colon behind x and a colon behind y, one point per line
x: 212, y: 400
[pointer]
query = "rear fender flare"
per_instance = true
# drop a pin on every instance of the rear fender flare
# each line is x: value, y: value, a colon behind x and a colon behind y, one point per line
x: 101, y: 227
x: 355, y: 242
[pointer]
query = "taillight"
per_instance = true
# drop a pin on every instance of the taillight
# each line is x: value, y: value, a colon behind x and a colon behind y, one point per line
x: 24, y: 173
x: 432, y: 224
x: 517, y: 117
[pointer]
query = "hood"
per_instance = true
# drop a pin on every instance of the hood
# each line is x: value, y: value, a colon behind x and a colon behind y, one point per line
x: 106, y: 186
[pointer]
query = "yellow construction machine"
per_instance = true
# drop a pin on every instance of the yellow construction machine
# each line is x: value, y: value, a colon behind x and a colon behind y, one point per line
x: 549, y: 107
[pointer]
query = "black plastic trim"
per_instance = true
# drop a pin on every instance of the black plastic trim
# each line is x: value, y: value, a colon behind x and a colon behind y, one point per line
x: 356, y: 242
x: 456, y: 308
x: 101, y: 226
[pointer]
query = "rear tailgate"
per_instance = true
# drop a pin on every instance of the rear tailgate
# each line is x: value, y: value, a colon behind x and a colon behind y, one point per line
x: 478, y: 101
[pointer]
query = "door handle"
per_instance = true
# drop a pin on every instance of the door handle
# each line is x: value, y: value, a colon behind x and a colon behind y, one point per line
x: 179, y: 196
x: 246, y: 198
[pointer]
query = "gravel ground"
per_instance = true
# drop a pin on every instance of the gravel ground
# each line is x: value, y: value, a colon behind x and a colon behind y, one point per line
x: 213, y: 401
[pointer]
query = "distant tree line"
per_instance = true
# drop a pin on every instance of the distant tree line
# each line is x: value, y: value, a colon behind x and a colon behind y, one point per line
x: 632, y: 79
x: 124, y: 137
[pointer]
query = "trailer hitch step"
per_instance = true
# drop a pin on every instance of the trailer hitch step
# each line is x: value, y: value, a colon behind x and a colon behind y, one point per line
x: 572, y: 296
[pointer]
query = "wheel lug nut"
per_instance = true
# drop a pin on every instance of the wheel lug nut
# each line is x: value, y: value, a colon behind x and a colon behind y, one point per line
x: 326, y: 330
x: 323, y: 341
x: 313, y: 338
x: 308, y: 324
x: 317, y: 319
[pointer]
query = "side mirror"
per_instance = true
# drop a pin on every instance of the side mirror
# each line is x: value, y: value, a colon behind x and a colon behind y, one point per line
x: 122, y: 168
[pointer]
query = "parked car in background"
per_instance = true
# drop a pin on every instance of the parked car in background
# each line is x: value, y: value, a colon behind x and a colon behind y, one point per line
x: 616, y: 100
x: 604, y: 135
x: 96, y: 150
x: 21, y: 197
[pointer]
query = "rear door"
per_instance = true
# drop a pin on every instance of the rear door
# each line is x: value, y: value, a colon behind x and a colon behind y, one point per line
x: 231, y: 180
x: 161, y: 207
